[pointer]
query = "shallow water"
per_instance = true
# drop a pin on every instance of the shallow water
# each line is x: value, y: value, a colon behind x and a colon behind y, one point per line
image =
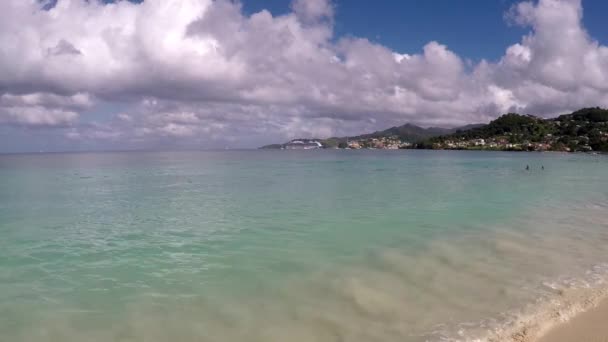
x: 299, y: 246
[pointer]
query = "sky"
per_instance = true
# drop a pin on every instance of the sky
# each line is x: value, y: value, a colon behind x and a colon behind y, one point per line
x: 169, y: 74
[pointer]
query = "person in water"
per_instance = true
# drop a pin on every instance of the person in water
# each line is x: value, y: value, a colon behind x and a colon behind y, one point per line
x: 528, y: 167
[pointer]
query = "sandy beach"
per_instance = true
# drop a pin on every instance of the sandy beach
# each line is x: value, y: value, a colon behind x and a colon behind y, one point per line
x: 590, y: 326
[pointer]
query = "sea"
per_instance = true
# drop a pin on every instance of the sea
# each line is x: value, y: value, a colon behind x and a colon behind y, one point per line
x: 323, y: 245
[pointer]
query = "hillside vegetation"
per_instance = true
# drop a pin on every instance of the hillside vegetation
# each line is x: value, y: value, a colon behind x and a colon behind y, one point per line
x: 583, y: 130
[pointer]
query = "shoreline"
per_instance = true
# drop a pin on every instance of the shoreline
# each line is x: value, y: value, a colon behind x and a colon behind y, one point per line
x: 590, y: 153
x: 588, y: 326
x: 573, y: 315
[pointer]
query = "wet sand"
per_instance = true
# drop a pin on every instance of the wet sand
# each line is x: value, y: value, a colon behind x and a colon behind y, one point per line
x: 590, y: 326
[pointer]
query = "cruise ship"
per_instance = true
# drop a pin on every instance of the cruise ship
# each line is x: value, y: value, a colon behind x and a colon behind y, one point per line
x: 303, y: 145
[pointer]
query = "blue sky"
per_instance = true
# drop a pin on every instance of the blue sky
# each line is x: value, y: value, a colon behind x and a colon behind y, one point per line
x: 472, y: 28
x: 80, y: 75
x: 475, y: 29
x: 408, y: 25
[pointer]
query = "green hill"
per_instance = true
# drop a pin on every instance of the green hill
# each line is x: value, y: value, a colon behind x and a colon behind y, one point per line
x: 405, y: 133
x: 583, y: 130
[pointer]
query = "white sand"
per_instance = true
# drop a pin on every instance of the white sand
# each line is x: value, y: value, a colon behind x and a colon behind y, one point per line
x: 590, y: 326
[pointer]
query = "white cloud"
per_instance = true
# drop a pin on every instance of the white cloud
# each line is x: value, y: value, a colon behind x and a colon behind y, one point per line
x: 313, y: 10
x: 558, y: 66
x: 203, y: 70
x: 42, y: 109
x: 36, y: 116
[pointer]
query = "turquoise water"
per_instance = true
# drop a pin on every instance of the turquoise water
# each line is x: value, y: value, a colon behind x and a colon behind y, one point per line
x: 290, y: 245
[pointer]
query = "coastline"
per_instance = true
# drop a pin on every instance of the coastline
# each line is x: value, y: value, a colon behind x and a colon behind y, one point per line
x: 590, y: 153
x: 573, y: 315
x: 588, y: 326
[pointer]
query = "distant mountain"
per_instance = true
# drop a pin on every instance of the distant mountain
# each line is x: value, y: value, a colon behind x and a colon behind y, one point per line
x: 583, y: 130
x: 406, y: 133
x: 467, y: 127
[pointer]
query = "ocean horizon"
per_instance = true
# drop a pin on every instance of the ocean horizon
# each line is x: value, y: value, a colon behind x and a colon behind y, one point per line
x: 298, y: 245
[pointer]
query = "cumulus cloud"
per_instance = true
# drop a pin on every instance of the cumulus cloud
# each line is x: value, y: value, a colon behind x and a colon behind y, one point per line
x: 42, y: 109
x: 313, y: 10
x: 202, y: 70
x: 558, y: 65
